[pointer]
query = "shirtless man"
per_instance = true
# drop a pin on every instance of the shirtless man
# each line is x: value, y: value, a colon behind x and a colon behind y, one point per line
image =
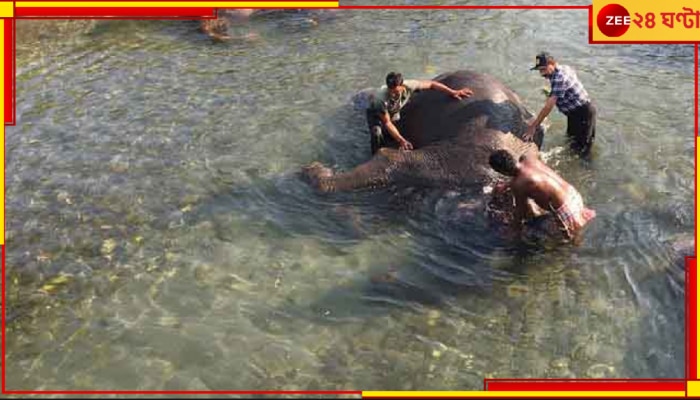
x: 534, y: 182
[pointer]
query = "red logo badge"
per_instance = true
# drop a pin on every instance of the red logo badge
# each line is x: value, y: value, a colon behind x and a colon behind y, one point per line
x: 613, y: 20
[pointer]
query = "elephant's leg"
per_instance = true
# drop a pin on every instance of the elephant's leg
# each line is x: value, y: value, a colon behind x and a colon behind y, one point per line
x: 378, y: 172
x: 440, y: 165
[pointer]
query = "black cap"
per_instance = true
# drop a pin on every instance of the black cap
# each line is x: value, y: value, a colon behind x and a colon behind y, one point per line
x: 541, y: 60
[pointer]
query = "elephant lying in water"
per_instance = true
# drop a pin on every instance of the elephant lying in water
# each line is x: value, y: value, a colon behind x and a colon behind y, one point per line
x: 452, y: 139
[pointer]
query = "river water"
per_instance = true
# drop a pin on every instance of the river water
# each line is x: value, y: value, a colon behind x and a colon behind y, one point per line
x: 159, y: 237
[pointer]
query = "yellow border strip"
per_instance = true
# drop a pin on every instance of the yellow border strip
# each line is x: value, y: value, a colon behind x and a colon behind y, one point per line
x: 2, y: 107
x: 538, y: 394
x: 7, y: 9
x: 195, y: 4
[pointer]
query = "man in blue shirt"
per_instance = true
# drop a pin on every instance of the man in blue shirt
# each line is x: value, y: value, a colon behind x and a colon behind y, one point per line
x: 568, y: 94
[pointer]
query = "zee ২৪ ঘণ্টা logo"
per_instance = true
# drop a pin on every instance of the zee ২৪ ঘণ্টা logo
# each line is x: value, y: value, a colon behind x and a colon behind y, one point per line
x: 613, y: 20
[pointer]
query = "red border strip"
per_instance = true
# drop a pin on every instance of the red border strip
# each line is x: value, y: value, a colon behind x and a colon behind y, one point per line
x: 584, y: 385
x: 113, y: 12
x: 9, y: 71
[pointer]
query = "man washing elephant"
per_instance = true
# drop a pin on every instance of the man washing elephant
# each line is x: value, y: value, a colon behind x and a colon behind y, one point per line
x: 454, y: 143
x: 533, y: 180
x: 385, y: 108
x: 570, y: 97
x: 452, y: 140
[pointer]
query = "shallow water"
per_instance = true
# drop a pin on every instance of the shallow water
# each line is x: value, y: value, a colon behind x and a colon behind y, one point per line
x: 159, y: 237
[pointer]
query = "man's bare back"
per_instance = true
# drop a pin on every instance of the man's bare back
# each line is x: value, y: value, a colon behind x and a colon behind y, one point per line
x: 534, y: 182
x: 538, y: 182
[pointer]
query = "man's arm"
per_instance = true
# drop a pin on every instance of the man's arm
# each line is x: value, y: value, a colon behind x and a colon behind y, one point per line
x: 394, y: 132
x: 434, y: 85
x: 521, y: 206
x: 548, y: 106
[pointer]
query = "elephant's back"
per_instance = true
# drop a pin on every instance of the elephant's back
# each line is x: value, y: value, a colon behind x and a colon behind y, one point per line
x: 483, y: 85
x: 431, y: 116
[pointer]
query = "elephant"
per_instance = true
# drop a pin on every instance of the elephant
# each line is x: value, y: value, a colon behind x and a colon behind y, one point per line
x: 452, y: 140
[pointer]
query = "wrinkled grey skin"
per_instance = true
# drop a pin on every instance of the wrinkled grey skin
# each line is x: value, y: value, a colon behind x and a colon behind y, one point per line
x: 453, y: 139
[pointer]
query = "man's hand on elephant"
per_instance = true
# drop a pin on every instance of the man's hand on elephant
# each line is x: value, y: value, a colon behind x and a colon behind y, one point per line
x: 530, y: 132
x: 462, y: 93
x: 406, y: 145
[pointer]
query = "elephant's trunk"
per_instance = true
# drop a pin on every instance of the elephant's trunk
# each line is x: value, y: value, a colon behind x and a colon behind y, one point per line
x: 373, y: 174
x: 320, y: 177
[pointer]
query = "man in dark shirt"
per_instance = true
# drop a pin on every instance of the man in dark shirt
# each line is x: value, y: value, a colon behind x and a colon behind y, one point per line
x: 570, y: 97
x: 386, y: 104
